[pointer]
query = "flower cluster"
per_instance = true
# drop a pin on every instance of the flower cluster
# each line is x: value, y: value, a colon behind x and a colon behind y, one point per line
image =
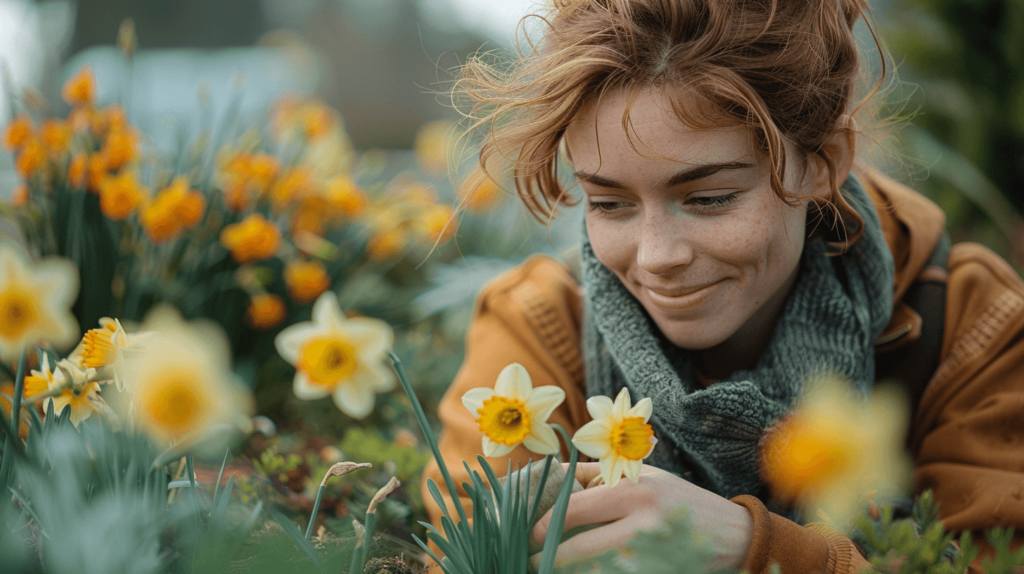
x: 514, y: 412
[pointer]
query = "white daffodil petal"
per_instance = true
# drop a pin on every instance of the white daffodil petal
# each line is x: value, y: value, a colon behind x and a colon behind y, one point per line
x: 592, y: 439
x: 599, y: 407
x: 306, y: 390
x: 474, y: 399
x: 544, y: 400
x: 632, y: 469
x: 514, y: 382
x: 354, y: 400
x: 376, y: 378
x: 542, y: 439
x: 622, y: 404
x: 495, y: 449
x: 607, y: 470
x: 642, y: 409
x: 373, y: 336
x: 327, y: 312
x: 290, y: 341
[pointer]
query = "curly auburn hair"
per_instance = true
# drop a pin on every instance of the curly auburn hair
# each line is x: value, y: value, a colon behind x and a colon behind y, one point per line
x: 784, y: 68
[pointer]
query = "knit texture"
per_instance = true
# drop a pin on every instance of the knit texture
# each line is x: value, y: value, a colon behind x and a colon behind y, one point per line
x: 710, y: 436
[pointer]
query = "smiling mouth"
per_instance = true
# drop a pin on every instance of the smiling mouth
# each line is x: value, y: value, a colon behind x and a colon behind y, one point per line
x: 683, y: 300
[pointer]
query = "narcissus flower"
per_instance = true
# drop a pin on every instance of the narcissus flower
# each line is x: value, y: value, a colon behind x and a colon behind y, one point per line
x: 386, y: 244
x: 108, y: 346
x: 77, y: 170
x: 296, y: 184
x: 35, y: 301
x: 345, y: 197
x: 77, y: 390
x: 618, y: 436
x: 306, y: 280
x: 431, y: 147
x: 480, y: 193
x: 253, y: 239
x: 80, y: 89
x: 339, y: 357
x: 175, y: 209
x: 120, y: 148
x: 835, y: 448
x: 515, y: 412
x: 20, y: 195
x: 182, y: 383
x: 265, y: 311
x: 31, y: 159
x: 19, y: 131
x: 121, y: 195
x: 437, y: 223
x: 56, y: 136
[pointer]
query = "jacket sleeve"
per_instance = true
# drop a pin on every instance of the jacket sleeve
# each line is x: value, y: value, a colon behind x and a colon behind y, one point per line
x: 969, y: 441
x: 518, y: 319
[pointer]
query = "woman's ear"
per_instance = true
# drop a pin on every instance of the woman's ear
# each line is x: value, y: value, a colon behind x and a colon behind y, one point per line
x: 840, y: 147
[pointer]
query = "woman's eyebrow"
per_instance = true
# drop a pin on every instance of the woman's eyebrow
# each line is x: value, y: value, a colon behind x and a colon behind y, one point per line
x: 685, y: 176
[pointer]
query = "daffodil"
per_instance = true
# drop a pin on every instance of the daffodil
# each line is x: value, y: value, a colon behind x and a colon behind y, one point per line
x: 107, y: 347
x: 835, y: 448
x: 618, y: 436
x: 515, y: 412
x: 338, y: 357
x: 35, y: 301
x: 181, y: 383
x: 71, y: 386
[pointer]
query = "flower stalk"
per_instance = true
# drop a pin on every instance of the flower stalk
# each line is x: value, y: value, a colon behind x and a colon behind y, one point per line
x: 360, y: 553
x: 340, y: 469
x: 19, y: 391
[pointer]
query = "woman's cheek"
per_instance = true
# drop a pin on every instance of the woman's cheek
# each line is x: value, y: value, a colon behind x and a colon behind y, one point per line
x: 611, y: 244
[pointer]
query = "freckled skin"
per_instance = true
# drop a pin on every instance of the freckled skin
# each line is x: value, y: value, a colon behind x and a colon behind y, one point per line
x: 728, y: 230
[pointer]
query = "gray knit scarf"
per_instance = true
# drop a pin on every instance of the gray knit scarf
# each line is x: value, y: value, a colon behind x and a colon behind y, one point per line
x: 710, y: 436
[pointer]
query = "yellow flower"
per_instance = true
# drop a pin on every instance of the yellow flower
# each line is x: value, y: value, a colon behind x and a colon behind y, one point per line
x: 77, y: 170
x: 835, y: 448
x: 80, y: 89
x: 56, y: 136
x: 265, y: 311
x: 253, y: 239
x: 480, y: 193
x: 35, y: 301
x: 431, y: 147
x: 120, y: 148
x: 339, y: 357
x: 181, y: 384
x: 618, y: 436
x: 77, y: 389
x: 295, y: 185
x: 345, y: 197
x: 438, y: 223
x: 20, y: 195
x: 121, y: 195
x: 386, y: 244
x: 18, y: 132
x: 108, y: 346
x: 7, y: 407
x: 514, y: 412
x: 306, y: 280
x: 31, y: 159
x: 97, y: 172
x: 175, y: 209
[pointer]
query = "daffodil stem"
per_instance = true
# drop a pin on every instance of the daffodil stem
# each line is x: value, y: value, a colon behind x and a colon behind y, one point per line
x: 19, y: 391
x: 190, y: 468
x: 554, y: 535
x: 359, y: 558
x: 316, y: 509
x: 428, y: 435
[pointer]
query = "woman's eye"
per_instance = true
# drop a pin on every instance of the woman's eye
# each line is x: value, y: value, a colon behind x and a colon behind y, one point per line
x: 711, y: 203
x: 605, y: 206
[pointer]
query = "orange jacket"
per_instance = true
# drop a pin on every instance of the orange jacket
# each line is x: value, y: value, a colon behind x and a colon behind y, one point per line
x: 967, y: 437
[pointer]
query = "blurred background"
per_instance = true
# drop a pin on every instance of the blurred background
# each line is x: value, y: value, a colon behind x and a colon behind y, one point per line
x: 386, y: 65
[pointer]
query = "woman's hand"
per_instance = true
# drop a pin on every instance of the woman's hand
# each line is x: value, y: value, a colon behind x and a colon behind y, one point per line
x: 643, y: 506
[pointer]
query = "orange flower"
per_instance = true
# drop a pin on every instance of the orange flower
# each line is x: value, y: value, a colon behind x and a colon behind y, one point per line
x: 309, y: 217
x: 480, y: 193
x: 159, y: 220
x: 190, y: 209
x: 18, y: 132
x: 97, y: 169
x: 76, y: 170
x: 254, y: 239
x: 317, y: 120
x: 248, y: 175
x: 265, y: 311
x: 31, y: 159
x: 386, y: 244
x: 19, y: 196
x: 297, y: 183
x: 120, y: 148
x: 176, y: 208
x: 437, y: 223
x: 431, y: 147
x: 81, y: 88
x: 344, y: 196
x: 306, y: 280
x: 6, y: 405
x: 121, y: 196
x: 113, y: 118
x: 56, y: 136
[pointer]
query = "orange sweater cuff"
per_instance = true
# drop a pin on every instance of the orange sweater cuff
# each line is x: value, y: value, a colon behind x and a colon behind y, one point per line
x: 780, y: 540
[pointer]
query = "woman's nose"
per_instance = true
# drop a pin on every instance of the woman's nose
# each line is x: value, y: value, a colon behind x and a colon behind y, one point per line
x: 663, y: 246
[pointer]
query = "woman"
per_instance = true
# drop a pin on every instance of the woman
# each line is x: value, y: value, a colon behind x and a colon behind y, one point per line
x: 731, y: 250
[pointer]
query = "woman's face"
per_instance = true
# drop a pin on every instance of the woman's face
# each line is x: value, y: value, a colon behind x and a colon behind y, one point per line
x: 690, y: 224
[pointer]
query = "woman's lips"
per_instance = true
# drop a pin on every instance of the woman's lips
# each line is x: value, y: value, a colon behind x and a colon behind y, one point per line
x: 682, y: 302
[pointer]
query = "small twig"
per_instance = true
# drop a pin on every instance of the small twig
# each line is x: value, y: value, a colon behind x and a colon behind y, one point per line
x: 340, y: 469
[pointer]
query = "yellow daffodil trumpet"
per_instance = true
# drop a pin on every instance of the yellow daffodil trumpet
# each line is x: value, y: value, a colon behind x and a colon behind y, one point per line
x: 619, y: 436
x: 515, y: 412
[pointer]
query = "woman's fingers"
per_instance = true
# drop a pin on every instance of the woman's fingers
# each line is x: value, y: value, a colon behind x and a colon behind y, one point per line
x: 593, y: 543
x: 591, y: 506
